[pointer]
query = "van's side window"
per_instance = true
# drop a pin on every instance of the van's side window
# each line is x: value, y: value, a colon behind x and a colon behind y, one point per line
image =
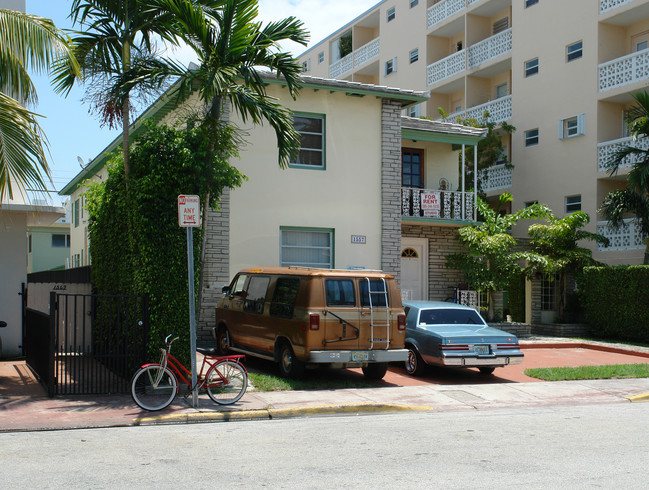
x: 284, y: 297
x: 256, y: 294
x: 378, y: 293
x: 237, y: 289
x: 340, y: 292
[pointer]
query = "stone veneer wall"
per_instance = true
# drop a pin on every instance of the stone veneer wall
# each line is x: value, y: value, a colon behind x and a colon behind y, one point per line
x: 391, y: 187
x: 216, y: 267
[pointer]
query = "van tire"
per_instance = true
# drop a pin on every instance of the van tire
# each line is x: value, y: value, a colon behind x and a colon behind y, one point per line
x: 289, y: 365
x: 222, y: 341
x: 375, y: 370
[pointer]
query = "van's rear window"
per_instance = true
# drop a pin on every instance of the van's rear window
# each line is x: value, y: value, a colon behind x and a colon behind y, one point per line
x: 284, y: 297
x: 377, y: 291
x: 340, y: 292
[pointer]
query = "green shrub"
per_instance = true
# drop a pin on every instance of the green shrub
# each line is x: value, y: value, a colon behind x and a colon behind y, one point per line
x: 616, y: 301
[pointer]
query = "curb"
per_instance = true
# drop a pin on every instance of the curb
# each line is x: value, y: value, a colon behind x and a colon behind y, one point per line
x: 643, y: 397
x: 278, y: 413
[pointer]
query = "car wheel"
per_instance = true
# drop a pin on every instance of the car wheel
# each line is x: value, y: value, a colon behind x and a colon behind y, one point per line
x: 223, y: 341
x: 375, y: 370
x: 486, y: 370
x: 289, y: 365
x: 414, y: 364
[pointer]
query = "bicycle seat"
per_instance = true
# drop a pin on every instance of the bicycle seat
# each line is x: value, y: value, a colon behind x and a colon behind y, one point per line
x: 207, y: 352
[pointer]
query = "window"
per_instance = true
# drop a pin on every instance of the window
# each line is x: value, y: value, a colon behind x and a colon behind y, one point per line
x: 239, y: 283
x: 256, y: 294
x: 414, y: 3
x: 60, y: 241
x: 532, y: 137
x: 320, y: 57
x: 500, y: 25
x: 501, y: 91
x: 531, y: 67
x: 391, y: 66
x: 529, y: 3
x: 312, y: 140
x: 306, y: 247
x: 573, y: 203
x: 284, y: 297
x: 76, y: 213
x: 414, y: 55
x: 306, y: 65
x: 413, y: 111
x: 572, y: 126
x: 574, y: 51
x: 377, y: 289
x: 641, y: 45
x: 548, y: 293
x: 412, y: 167
x: 503, y: 156
x: 391, y: 14
x: 340, y: 292
x: 29, y: 243
x: 530, y: 203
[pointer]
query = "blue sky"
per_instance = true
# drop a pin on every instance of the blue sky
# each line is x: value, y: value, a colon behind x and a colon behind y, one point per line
x: 72, y: 132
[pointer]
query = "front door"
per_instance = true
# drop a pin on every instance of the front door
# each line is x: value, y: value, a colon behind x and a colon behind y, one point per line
x: 414, y: 268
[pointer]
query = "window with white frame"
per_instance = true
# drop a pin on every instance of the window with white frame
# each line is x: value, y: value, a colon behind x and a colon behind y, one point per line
x: 391, y: 66
x: 391, y: 14
x: 572, y: 126
x: 529, y: 3
x: 549, y: 293
x: 414, y: 3
x: 531, y: 137
x: 306, y: 247
x: 414, y: 55
x: 306, y: 65
x: 312, y: 141
x: 531, y: 67
x: 321, y: 57
x: 574, y: 51
x: 573, y: 203
x: 413, y: 111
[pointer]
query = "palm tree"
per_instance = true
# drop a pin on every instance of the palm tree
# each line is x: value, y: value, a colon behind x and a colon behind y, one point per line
x: 116, y: 36
x: 26, y: 42
x: 634, y: 198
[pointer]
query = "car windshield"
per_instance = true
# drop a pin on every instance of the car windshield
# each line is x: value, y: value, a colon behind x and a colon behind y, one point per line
x: 449, y: 316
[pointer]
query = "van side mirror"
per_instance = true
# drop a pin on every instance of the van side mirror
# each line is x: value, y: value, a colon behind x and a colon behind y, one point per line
x: 225, y: 289
x: 3, y: 324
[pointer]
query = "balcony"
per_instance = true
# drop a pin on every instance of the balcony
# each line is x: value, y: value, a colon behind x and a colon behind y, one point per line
x: 607, y: 5
x: 443, y: 10
x: 607, y: 149
x: 436, y: 204
x: 446, y: 68
x: 500, y: 110
x: 623, y: 71
x: 496, y: 177
x: 355, y: 59
x: 490, y: 48
x: 628, y: 237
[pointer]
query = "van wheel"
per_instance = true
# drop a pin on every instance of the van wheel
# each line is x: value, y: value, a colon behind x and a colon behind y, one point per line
x: 289, y: 365
x: 414, y: 364
x: 223, y: 341
x: 375, y: 370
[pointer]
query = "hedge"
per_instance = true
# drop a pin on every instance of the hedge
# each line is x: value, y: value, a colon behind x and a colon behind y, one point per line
x: 616, y: 301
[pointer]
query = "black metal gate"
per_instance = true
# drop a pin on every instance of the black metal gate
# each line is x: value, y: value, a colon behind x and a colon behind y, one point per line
x: 95, y: 343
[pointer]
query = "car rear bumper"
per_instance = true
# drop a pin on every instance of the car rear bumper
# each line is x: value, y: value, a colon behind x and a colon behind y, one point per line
x: 494, y: 361
x: 357, y: 356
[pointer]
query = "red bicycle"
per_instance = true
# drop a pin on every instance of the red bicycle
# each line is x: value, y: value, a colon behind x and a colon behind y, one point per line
x: 155, y: 385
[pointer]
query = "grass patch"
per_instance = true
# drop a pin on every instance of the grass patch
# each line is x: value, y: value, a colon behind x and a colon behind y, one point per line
x: 614, y: 371
x: 267, y: 382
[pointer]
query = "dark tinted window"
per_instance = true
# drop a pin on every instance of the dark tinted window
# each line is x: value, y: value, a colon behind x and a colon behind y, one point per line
x: 449, y: 316
x: 256, y: 294
x: 377, y: 290
x: 340, y: 292
x: 284, y: 297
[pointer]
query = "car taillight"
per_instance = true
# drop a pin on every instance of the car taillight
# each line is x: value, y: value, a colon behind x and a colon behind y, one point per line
x: 508, y: 346
x: 314, y: 321
x: 454, y: 347
x: 401, y: 322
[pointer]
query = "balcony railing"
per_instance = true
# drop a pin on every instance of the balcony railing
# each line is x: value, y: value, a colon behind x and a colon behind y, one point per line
x: 436, y: 204
x: 628, y: 237
x: 499, y: 110
x: 362, y: 55
x: 496, y: 177
x: 606, y: 5
x: 445, y: 68
x: 622, y: 71
x: 606, y: 152
x: 443, y: 10
x: 490, y: 48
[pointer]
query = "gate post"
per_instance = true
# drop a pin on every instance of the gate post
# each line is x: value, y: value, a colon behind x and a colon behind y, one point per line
x: 51, y: 381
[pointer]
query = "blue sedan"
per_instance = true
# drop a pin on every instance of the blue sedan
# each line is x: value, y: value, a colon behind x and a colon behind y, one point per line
x: 448, y: 334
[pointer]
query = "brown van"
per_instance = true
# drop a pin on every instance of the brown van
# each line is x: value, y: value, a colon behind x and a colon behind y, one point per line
x: 302, y: 317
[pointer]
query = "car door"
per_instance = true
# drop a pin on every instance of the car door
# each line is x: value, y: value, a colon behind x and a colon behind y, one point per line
x: 342, y: 317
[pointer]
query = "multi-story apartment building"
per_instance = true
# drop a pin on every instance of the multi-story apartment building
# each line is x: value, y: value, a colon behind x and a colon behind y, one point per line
x: 562, y: 72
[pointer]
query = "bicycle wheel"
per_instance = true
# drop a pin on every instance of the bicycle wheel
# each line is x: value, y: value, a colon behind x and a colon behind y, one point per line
x: 153, y: 387
x: 226, y: 382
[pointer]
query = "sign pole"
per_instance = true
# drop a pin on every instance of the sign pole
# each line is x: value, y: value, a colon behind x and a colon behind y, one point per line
x: 188, y: 217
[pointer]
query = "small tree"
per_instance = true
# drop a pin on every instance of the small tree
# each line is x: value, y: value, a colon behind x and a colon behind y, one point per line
x: 558, y: 242
x: 491, y: 261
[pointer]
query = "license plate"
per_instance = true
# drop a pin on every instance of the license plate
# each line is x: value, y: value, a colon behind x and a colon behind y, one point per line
x: 360, y: 356
x: 482, y: 350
